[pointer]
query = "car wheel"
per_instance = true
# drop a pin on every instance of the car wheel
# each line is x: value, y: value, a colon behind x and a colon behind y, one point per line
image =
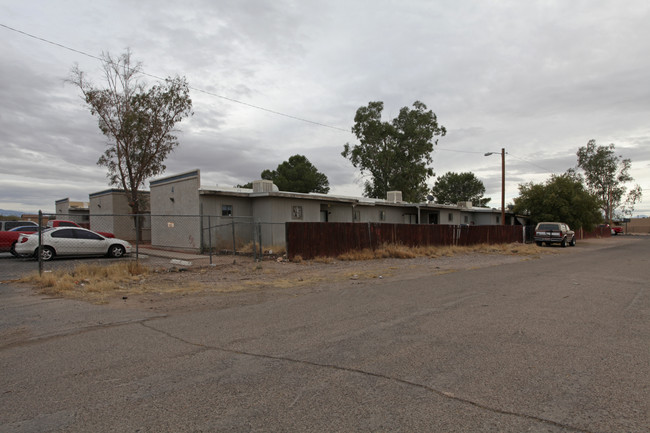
x: 548, y: 244
x: 116, y: 251
x: 47, y: 253
x: 539, y: 243
x: 573, y: 242
x: 563, y: 243
x: 13, y: 250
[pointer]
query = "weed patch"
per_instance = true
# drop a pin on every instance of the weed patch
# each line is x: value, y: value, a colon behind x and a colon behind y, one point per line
x: 86, y: 281
x: 398, y: 251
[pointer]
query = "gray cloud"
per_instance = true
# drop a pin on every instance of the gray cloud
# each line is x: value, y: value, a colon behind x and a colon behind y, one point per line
x: 538, y: 78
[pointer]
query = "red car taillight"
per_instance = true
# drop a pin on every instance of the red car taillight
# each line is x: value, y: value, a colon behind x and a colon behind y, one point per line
x: 23, y: 239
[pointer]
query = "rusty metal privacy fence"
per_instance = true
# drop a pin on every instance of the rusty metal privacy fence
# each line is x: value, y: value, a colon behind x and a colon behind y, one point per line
x: 310, y: 240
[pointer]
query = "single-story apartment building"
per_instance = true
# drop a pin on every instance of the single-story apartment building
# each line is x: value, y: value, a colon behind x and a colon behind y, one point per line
x: 107, y: 211
x: 75, y: 211
x: 110, y: 212
x: 188, y: 215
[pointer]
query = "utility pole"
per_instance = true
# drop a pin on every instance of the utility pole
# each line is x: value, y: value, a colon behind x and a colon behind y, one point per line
x: 503, y: 186
x: 503, y: 183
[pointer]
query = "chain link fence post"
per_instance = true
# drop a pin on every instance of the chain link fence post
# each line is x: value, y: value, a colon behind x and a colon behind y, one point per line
x: 234, y: 240
x: 259, y: 233
x: 210, y: 237
x: 254, y: 234
x: 40, y: 243
x: 137, y: 239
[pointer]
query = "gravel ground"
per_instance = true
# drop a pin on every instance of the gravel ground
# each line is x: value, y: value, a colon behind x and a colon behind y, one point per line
x: 244, y: 281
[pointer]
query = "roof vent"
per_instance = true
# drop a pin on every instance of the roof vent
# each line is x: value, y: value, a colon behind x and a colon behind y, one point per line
x: 394, y: 196
x: 465, y: 204
x: 263, y: 186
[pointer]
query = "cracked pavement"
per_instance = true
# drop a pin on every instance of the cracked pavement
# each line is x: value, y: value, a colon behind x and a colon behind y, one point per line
x: 555, y: 344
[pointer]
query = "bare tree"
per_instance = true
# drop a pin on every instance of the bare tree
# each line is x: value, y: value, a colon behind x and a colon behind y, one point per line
x: 138, y: 121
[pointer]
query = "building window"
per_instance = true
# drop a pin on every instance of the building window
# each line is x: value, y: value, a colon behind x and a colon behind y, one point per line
x: 296, y: 213
x: 450, y: 217
x: 357, y: 215
x: 498, y: 220
x: 466, y: 219
x: 382, y: 215
x: 226, y: 210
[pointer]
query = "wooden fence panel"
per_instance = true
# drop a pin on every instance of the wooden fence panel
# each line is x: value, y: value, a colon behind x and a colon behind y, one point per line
x: 472, y: 235
x: 310, y: 240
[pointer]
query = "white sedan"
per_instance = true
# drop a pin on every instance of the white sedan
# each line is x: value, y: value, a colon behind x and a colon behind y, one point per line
x: 71, y: 241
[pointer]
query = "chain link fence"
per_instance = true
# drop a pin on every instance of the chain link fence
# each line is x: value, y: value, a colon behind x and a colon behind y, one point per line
x: 177, y: 240
x: 66, y: 240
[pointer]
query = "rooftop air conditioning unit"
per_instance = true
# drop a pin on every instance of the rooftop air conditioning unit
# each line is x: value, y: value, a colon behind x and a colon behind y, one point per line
x: 394, y: 196
x: 263, y: 186
x: 465, y: 204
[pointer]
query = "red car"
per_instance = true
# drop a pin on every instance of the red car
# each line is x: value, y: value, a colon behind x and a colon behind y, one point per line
x: 616, y: 230
x: 8, y: 238
x: 63, y: 223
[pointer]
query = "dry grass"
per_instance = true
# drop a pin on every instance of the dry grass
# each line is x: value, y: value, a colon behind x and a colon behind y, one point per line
x: 250, y: 248
x: 397, y: 251
x: 100, y: 284
x: 278, y: 250
x: 321, y: 259
x: 89, y: 281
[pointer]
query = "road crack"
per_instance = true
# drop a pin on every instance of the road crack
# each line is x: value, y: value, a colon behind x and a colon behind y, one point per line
x: 432, y: 390
x: 73, y: 332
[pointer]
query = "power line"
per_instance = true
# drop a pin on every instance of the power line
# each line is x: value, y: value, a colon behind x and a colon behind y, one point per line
x: 458, y: 151
x: 546, y: 170
x: 278, y: 113
x: 507, y: 153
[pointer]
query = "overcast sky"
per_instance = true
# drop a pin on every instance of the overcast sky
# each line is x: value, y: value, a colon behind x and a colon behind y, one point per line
x: 538, y: 78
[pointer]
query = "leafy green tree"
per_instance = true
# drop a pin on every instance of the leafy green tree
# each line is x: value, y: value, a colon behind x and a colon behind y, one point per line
x: 562, y: 198
x: 138, y: 121
x: 395, y: 154
x: 452, y: 188
x: 298, y: 175
x: 605, y: 176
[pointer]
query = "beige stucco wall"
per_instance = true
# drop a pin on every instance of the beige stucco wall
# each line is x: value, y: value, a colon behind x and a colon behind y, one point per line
x: 72, y: 211
x: 273, y: 212
x: 339, y: 213
x: 218, y: 229
x: 110, y: 212
x: 637, y: 225
x: 175, y: 220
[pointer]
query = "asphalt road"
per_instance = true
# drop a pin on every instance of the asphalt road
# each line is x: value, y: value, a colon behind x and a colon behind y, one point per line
x: 557, y: 344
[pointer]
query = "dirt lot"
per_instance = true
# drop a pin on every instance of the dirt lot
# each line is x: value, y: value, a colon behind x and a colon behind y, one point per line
x: 243, y: 281
x: 167, y: 287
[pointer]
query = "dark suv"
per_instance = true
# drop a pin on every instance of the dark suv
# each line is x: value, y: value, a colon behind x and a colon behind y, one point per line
x: 554, y: 233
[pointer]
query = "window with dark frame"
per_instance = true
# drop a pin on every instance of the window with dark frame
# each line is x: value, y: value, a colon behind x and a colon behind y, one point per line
x: 226, y: 210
